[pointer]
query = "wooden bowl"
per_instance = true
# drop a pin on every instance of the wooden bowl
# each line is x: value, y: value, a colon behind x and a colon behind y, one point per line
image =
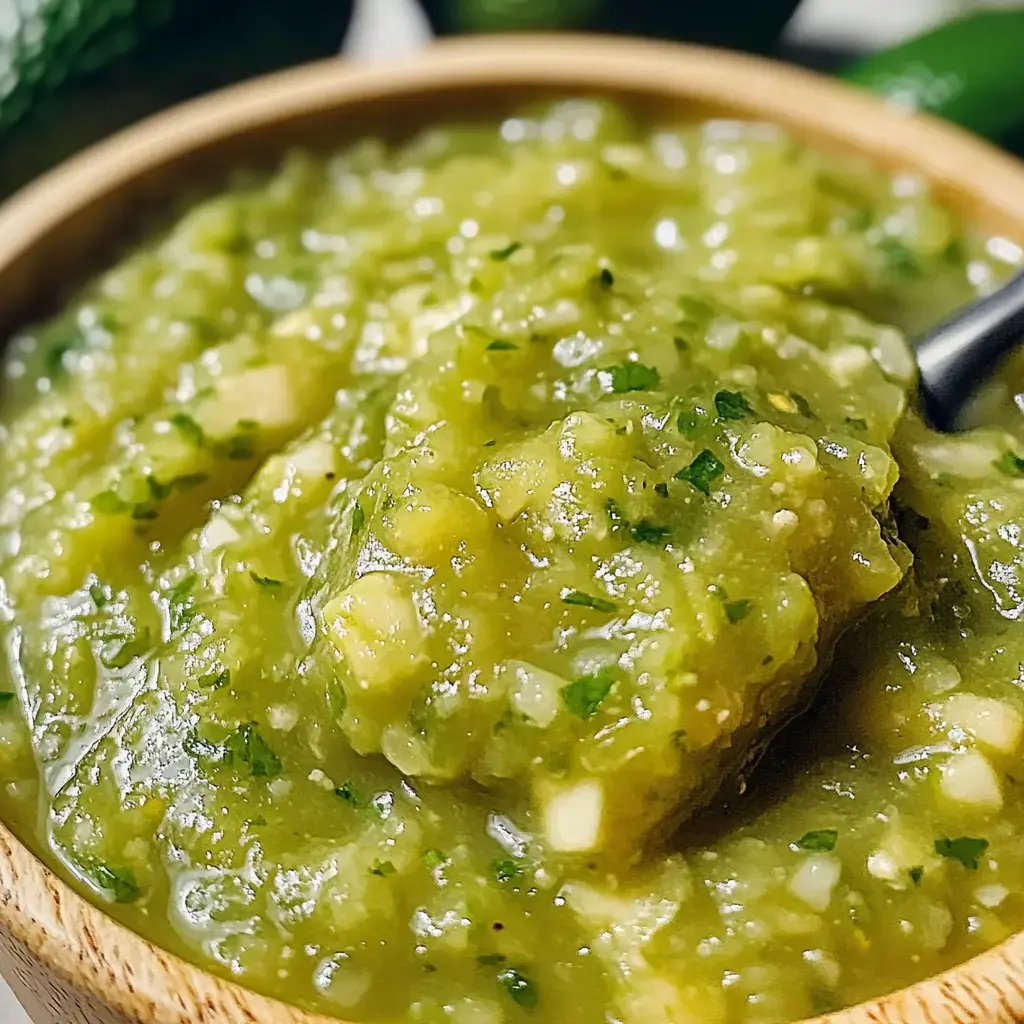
x: 65, y: 959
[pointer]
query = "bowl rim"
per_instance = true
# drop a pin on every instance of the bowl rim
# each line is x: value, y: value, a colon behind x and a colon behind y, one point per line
x: 78, y: 940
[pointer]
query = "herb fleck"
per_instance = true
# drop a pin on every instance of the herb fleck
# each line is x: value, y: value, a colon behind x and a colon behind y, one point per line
x: 661, y: 490
x: 731, y: 405
x: 119, y: 883
x: 605, y: 278
x: 491, y: 959
x: 1010, y: 463
x: 519, y: 987
x: 647, y: 532
x: 435, y: 858
x: 500, y: 255
x: 248, y: 745
x: 628, y: 376
x: 822, y: 839
x: 689, y: 421
x: 916, y: 874
x: 599, y: 604
x: 264, y: 581
x: 802, y: 406
x: 736, y: 611
x: 383, y: 868
x: 240, y: 447
x: 100, y: 595
x: 188, y: 428
x: 215, y: 680
x: 966, y: 849
x: 704, y: 469
x: 585, y: 695
x: 505, y: 870
x: 348, y: 792
x: 131, y: 649
x: 358, y: 518
x: 6, y: 699
x: 500, y: 345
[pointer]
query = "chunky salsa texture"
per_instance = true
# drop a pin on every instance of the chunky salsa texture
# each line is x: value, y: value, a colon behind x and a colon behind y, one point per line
x: 406, y: 559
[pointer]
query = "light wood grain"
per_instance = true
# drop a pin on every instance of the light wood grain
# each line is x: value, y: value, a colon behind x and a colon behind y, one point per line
x: 65, y: 959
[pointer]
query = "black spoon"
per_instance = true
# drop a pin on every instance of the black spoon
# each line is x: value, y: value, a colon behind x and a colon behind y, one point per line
x: 961, y: 353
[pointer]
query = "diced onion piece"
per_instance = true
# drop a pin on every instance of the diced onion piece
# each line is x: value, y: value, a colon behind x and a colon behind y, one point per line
x: 572, y: 816
x: 535, y: 693
x: 814, y: 881
x: 375, y: 627
x: 264, y: 394
x: 970, y: 780
x: 995, y: 724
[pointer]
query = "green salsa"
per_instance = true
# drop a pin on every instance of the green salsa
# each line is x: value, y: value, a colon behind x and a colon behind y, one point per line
x: 406, y: 559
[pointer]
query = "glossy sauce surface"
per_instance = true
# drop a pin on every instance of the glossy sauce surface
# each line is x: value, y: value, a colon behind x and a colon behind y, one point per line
x: 404, y: 555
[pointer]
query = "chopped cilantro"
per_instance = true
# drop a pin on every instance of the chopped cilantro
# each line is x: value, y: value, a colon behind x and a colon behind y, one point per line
x: 704, y: 469
x: 119, y: 883
x: 158, y: 490
x: 856, y: 423
x: 605, y: 278
x: 661, y: 490
x: 358, y: 518
x: 500, y: 345
x: 491, y: 959
x: 131, y: 649
x: 215, y: 680
x: 248, y: 745
x: 802, y: 406
x: 67, y: 422
x: 689, y: 421
x: 188, y: 481
x: 1010, y: 463
x: 821, y: 839
x: 736, y: 611
x: 383, y: 803
x: 916, y: 874
x: 500, y: 255
x: 614, y: 513
x: 966, y: 849
x: 108, y: 503
x: 383, y: 868
x: 628, y: 376
x: 599, y: 604
x: 6, y: 699
x: 646, y: 532
x: 643, y: 532
x: 348, y: 792
x: 240, y: 447
x: 585, y: 695
x: 898, y: 258
x: 731, y: 405
x: 264, y: 581
x: 505, y: 870
x: 188, y: 428
x: 144, y: 510
x: 435, y: 858
x: 518, y: 986
x: 180, y: 609
x: 100, y: 594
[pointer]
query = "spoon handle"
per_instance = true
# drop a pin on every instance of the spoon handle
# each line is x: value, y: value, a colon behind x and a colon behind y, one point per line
x: 961, y: 352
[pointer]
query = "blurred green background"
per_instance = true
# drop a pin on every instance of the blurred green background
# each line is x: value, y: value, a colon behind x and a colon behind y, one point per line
x: 73, y: 71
